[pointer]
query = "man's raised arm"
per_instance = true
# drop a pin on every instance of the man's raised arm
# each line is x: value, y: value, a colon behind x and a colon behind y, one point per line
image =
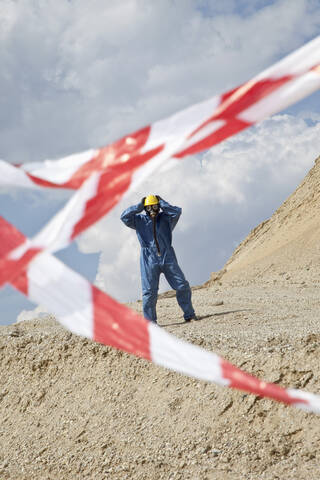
x: 129, y: 215
x: 173, y: 212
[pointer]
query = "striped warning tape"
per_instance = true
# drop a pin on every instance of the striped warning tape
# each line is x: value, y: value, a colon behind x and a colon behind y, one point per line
x: 101, y: 178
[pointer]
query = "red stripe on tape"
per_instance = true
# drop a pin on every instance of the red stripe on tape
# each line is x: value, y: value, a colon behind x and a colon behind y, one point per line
x: 12, y: 270
x: 118, y: 326
x: 244, y: 381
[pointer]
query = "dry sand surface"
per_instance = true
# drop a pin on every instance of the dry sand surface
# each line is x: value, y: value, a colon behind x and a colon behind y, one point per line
x: 73, y: 409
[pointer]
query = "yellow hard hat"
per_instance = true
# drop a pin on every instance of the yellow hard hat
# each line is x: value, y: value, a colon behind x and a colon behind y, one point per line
x: 151, y: 200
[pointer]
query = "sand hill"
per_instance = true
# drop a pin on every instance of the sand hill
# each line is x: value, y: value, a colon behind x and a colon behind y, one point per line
x: 72, y: 409
x: 287, y: 243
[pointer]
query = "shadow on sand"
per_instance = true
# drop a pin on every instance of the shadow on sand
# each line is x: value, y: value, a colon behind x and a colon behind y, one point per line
x: 203, y: 317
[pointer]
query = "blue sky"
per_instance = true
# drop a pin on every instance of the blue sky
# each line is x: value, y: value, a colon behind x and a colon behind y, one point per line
x: 75, y: 76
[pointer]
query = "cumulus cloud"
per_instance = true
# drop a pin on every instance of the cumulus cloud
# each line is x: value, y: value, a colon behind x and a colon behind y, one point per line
x: 224, y: 193
x: 77, y: 75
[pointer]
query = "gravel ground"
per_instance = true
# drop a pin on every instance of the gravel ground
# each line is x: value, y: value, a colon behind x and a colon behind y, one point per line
x: 72, y: 409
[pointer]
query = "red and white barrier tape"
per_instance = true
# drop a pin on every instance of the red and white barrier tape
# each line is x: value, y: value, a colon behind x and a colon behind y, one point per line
x: 95, y: 315
x: 101, y: 178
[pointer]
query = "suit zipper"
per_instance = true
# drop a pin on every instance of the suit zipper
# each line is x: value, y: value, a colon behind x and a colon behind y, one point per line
x: 154, y: 222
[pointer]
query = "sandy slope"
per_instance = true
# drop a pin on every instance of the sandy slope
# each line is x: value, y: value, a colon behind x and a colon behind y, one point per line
x: 288, y: 241
x: 72, y: 409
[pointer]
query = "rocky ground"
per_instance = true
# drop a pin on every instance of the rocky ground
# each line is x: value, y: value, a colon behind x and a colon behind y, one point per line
x: 73, y: 409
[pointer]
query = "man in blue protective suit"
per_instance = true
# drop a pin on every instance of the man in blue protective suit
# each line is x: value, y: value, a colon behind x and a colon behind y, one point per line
x: 154, y: 231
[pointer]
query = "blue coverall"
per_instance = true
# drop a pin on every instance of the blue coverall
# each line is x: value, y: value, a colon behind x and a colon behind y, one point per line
x: 152, y: 264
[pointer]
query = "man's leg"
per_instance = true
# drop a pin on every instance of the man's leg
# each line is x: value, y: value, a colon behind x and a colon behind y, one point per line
x: 178, y: 282
x: 150, y: 274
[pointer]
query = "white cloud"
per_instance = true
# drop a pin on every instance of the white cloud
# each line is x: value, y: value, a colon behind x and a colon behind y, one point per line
x: 235, y: 186
x: 36, y: 313
x: 77, y: 75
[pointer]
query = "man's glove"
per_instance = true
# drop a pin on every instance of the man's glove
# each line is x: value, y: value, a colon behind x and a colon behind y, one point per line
x: 159, y: 198
x: 142, y: 201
